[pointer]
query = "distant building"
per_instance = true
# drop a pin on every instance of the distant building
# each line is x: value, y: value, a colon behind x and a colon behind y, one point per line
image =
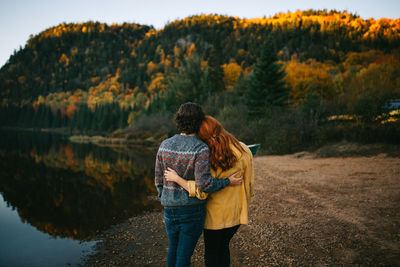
x: 393, y: 104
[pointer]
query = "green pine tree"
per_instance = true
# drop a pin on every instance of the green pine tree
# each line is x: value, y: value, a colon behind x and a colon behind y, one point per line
x: 215, y: 72
x: 187, y: 85
x: 267, y: 87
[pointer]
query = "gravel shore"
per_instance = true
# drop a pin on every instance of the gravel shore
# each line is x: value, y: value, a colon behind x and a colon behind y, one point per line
x: 307, y: 211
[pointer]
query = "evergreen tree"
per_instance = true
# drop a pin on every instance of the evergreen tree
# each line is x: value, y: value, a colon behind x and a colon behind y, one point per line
x: 266, y: 86
x: 57, y: 122
x: 187, y: 85
x: 215, y: 73
x: 47, y: 119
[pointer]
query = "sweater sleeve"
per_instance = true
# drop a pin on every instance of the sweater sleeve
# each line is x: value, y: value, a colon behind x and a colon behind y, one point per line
x: 159, y: 175
x: 204, y: 180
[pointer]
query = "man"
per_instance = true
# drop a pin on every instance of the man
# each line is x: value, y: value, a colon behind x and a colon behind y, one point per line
x: 189, y: 157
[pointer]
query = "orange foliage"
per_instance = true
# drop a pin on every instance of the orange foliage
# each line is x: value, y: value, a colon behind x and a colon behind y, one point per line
x: 74, y: 98
x: 35, y: 105
x: 68, y: 151
x: 71, y: 110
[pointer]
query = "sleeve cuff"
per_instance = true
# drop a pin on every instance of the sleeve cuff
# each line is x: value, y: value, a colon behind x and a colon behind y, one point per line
x: 195, y: 191
x: 192, y: 188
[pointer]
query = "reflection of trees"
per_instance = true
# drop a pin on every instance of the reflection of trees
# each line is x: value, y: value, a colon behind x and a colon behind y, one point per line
x: 103, y: 171
x: 66, y: 193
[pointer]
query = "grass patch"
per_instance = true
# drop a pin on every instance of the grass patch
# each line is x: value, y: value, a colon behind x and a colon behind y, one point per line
x: 349, y: 149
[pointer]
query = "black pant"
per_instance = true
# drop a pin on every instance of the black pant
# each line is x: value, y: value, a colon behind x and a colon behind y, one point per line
x: 217, y: 246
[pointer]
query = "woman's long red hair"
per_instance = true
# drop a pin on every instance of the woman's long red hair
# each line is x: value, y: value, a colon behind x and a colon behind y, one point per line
x: 219, y: 141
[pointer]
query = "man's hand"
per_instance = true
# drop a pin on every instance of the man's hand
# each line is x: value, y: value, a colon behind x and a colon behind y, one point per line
x: 235, y: 180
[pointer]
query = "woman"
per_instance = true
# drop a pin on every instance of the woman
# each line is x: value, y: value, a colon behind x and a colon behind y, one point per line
x: 227, y: 209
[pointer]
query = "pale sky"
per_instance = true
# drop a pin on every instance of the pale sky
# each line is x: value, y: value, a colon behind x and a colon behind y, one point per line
x: 21, y: 18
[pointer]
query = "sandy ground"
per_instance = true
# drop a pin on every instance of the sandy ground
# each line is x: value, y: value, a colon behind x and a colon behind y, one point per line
x: 307, y: 211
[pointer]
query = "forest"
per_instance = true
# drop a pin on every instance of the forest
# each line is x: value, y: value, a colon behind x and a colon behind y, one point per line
x: 293, y: 81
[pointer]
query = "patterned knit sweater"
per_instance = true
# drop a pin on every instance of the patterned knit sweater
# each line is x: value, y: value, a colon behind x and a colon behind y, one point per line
x: 189, y: 157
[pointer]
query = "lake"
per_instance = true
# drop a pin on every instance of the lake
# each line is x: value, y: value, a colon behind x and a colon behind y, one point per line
x: 56, y: 196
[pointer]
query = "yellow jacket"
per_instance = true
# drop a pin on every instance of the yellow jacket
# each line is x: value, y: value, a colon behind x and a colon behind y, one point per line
x: 229, y: 206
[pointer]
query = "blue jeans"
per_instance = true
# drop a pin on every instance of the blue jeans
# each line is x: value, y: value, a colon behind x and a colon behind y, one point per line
x: 184, y: 227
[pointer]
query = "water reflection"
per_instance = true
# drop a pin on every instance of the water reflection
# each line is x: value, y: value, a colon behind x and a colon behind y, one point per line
x: 72, y: 190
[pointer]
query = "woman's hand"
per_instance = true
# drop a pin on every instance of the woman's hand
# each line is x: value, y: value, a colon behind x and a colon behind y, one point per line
x: 171, y: 175
x: 235, y: 180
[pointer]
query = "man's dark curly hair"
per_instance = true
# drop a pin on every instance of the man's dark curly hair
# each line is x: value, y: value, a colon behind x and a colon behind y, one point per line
x: 189, y: 117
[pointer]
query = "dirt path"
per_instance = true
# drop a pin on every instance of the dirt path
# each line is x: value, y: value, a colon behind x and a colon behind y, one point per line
x: 307, y: 211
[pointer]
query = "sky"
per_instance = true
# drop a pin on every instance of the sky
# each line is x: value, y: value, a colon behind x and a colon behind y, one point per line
x: 21, y: 18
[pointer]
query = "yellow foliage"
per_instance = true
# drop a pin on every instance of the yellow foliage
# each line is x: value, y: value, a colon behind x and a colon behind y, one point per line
x: 74, y: 51
x: 190, y: 50
x: 362, y: 58
x: 151, y: 32
x: 232, y: 73
x: 177, y: 51
x: 95, y: 80
x: 167, y: 65
x: 41, y: 100
x: 132, y: 116
x: 64, y: 60
x: 395, y: 112
x: 379, y: 78
x: 157, y: 83
x: 108, y: 96
x: 151, y: 68
x: 114, y: 89
x: 341, y: 117
x: 328, y: 23
x: 92, y: 101
x: 391, y: 119
x: 177, y: 63
x: 160, y: 52
x: 301, y: 77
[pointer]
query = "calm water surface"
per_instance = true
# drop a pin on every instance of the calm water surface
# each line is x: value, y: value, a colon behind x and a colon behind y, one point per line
x: 55, y: 196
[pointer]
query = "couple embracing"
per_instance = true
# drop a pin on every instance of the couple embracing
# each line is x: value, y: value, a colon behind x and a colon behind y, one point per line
x: 204, y: 178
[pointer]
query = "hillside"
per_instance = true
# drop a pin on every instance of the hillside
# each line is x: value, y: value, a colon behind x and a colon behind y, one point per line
x: 79, y: 56
x: 94, y: 76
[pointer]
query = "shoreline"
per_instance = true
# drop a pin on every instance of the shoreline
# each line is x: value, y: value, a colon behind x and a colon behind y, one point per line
x: 307, y: 210
x: 144, y: 140
x: 119, y: 139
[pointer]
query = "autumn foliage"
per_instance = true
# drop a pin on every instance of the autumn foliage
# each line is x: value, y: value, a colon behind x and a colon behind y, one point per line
x: 104, y: 77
